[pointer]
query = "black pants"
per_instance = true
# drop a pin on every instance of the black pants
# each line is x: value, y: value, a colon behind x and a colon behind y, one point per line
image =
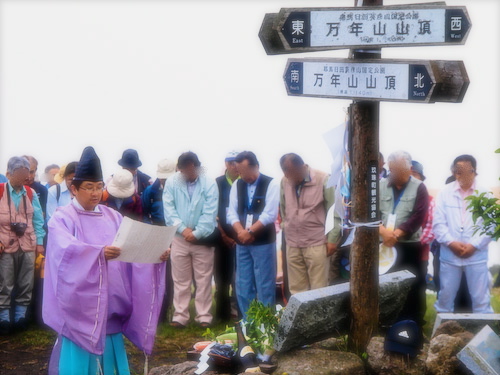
x: 410, y: 258
x: 169, y: 292
x: 224, y: 267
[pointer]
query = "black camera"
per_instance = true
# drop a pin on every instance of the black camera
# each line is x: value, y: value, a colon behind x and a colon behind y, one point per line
x: 18, y: 228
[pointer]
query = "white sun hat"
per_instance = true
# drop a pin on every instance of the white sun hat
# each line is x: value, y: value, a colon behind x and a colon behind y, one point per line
x: 121, y: 184
x: 166, y: 168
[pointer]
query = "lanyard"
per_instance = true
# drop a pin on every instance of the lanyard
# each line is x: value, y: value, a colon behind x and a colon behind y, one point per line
x: 250, y: 201
x: 396, y: 200
x: 24, y: 201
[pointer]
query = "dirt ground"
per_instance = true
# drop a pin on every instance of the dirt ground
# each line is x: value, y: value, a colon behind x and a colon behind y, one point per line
x: 28, y: 353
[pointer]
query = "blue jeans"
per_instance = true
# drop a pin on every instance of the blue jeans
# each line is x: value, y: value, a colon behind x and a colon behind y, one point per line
x: 255, y: 275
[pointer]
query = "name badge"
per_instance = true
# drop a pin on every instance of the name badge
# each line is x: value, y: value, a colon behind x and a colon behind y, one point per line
x: 391, y: 222
x: 249, y: 222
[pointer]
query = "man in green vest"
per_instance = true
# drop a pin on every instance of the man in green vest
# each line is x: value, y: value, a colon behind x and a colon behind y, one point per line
x: 404, y: 201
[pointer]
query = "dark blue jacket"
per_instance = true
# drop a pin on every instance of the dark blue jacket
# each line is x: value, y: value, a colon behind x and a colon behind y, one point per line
x: 152, y: 204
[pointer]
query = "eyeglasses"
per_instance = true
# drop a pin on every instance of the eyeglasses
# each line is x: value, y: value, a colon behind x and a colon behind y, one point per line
x: 93, y: 190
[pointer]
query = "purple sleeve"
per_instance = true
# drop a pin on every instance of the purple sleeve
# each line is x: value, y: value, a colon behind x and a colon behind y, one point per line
x: 416, y: 220
x: 75, y: 298
x: 147, y: 287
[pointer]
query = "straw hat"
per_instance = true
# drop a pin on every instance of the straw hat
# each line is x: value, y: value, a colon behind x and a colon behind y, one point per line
x: 59, y: 176
x: 121, y: 184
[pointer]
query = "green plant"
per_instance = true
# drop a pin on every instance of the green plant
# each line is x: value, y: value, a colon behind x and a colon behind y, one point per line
x: 487, y: 208
x: 262, y: 322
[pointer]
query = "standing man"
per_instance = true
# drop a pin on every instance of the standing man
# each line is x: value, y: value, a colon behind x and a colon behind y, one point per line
x: 381, y: 162
x: 462, y: 251
x: 119, y: 194
x: 41, y: 191
x: 21, y: 235
x: 152, y: 197
x: 304, y: 204
x: 153, y: 213
x: 60, y: 194
x: 403, y: 204
x: 226, y: 247
x: 417, y: 171
x: 253, y: 210
x: 190, y: 201
x: 130, y: 161
x: 50, y: 173
x: 89, y: 300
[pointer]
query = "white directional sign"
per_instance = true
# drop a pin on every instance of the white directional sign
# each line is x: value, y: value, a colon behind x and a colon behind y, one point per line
x: 319, y: 28
x: 391, y: 80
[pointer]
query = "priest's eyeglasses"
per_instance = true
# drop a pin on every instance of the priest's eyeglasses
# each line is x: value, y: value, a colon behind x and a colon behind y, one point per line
x: 93, y: 190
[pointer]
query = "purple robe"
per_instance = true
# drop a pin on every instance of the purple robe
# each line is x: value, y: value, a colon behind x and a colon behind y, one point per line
x: 87, y: 297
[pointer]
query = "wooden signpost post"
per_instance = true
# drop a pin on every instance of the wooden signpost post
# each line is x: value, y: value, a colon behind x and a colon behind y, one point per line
x: 368, y: 79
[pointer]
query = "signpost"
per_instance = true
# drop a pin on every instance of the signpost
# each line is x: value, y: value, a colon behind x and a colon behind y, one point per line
x: 389, y: 80
x: 367, y: 79
x: 320, y: 29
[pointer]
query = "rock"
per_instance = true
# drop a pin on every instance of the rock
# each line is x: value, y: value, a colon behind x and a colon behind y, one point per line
x: 465, y: 337
x: 442, y: 355
x: 316, y: 314
x: 470, y: 322
x: 387, y: 363
x: 333, y: 343
x: 311, y: 361
x: 185, y: 368
x: 448, y: 328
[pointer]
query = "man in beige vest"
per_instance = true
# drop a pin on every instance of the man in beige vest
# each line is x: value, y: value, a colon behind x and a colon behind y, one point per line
x: 21, y: 234
x: 304, y: 204
x: 404, y: 202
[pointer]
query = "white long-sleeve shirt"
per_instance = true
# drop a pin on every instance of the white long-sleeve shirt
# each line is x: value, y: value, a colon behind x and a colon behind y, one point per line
x: 270, y: 212
x: 453, y: 222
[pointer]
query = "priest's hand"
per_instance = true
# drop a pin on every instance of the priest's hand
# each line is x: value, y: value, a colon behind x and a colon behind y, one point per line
x: 111, y: 252
x: 165, y: 256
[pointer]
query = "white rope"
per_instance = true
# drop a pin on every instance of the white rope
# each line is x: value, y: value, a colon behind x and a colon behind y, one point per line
x: 373, y: 224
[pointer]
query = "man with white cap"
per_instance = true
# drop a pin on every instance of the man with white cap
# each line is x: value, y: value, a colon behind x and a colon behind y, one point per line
x: 153, y: 213
x: 224, y: 262
x: 152, y: 203
x: 120, y: 195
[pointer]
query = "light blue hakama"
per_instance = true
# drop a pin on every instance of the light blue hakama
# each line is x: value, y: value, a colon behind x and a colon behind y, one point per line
x: 74, y: 360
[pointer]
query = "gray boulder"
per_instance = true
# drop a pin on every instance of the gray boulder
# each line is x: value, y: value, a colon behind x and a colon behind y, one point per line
x: 317, y: 314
